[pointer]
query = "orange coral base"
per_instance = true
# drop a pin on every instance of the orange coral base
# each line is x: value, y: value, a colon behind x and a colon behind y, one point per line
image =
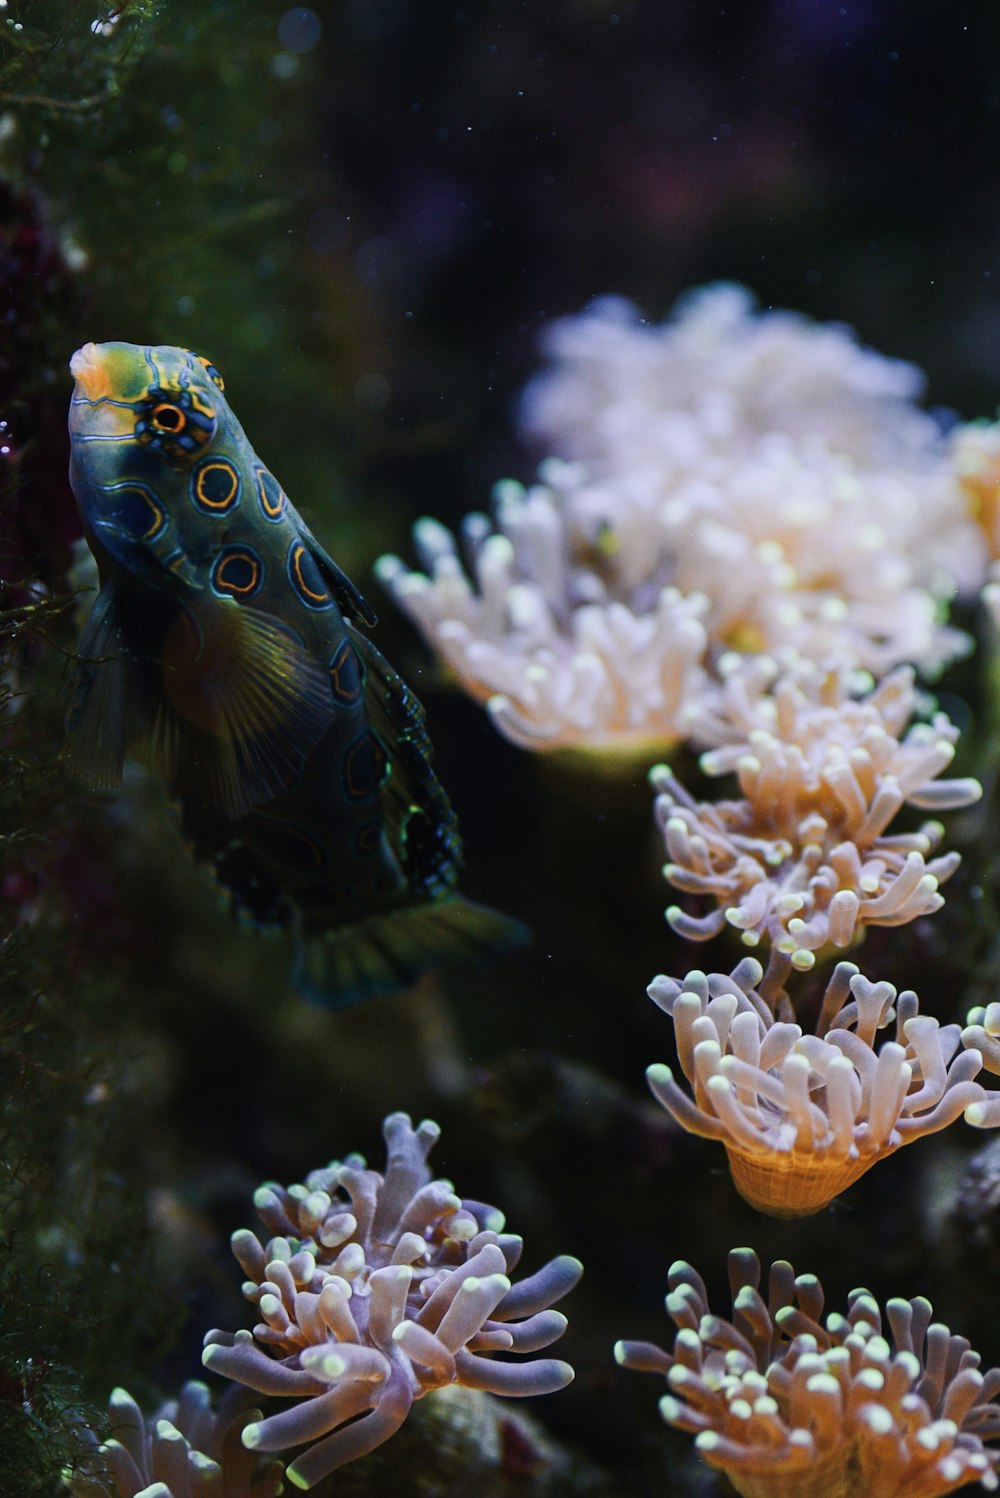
x: 794, y: 1183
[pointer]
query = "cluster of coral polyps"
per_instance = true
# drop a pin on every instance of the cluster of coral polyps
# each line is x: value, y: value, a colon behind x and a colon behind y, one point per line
x: 804, y: 857
x: 375, y: 1290
x: 802, y: 1116
x: 789, y: 1406
x: 729, y: 481
x: 559, y: 660
x: 691, y: 414
x: 185, y: 1450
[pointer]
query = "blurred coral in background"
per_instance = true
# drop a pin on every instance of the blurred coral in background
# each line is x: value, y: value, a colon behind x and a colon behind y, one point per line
x: 186, y: 1450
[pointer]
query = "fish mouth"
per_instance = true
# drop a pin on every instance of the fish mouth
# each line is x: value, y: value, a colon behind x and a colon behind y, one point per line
x: 90, y: 372
x: 97, y: 411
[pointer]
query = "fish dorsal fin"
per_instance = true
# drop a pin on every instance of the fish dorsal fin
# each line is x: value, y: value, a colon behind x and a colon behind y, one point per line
x: 350, y: 600
x: 420, y: 822
x: 243, y: 706
x: 112, y: 696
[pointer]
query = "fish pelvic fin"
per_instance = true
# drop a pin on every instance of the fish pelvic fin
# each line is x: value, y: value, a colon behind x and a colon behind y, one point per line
x: 389, y: 951
x: 111, y: 693
x: 242, y: 708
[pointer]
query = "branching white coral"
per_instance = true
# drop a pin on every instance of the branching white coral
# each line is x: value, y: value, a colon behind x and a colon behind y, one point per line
x: 186, y: 1450
x: 375, y: 1291
x: 557, y: 657
x: 804, y: 1116
x: 791, y: 1406
x: 617, y: 382
x: 719, y: 386
x: 797, y: 548
x: 804, y: 858
x: 727, y: 482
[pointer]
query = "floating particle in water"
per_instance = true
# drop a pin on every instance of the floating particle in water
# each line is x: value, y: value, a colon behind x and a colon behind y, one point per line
x: 328, y: 231
x: 299, y: 29
x: 284, y: 65
x: 372, y: 391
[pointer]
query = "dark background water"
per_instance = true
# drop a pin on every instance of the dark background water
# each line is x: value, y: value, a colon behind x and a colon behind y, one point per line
x: 366, y: 214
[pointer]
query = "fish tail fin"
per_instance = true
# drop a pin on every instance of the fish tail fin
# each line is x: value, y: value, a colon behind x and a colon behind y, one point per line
x: 389, y: 951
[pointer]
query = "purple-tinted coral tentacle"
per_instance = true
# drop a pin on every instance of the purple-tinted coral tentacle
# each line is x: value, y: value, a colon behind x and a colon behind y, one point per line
x: 246, y: 1363
x: 536, y: 1293
x: 537, y: 1331
x: 310, y: 1419
x: 514, y: 1380
x: 354, y: 1440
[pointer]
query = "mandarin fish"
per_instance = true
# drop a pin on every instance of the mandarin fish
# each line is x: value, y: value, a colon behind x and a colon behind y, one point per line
x: 224, y: 652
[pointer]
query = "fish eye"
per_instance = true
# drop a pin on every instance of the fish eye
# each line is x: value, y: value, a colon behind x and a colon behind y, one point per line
x: 168, y: 418
x: 173, y: 423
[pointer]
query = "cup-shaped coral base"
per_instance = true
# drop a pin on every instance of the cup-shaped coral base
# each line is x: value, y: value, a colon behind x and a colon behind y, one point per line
x: 832, y: 1476
x: 794, y: 1183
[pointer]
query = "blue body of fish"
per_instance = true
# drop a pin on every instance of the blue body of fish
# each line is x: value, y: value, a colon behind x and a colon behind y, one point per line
x: 224, y: 651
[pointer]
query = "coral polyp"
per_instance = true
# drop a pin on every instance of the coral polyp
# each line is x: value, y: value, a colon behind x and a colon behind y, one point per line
x: 803, y: 1116
x: 789, y: 1405
x: 185, y: 1450
x: 804, y: 858
x: 377, y: 1290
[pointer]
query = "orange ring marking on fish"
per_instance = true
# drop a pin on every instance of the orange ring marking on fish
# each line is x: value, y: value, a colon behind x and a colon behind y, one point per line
x: 206, y: 500
x: 297, y: 556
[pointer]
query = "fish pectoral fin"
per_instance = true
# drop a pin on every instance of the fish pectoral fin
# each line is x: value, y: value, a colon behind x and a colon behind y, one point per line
x: 111, y: 700
x: 350, y: 600
x: 243, y: 706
